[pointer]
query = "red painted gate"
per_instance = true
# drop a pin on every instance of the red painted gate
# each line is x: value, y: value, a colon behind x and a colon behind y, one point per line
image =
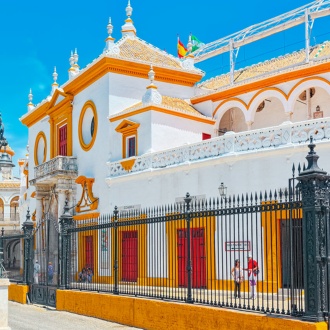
x: 198, y: 257
x: 129, y: 256
x: 89, y: 262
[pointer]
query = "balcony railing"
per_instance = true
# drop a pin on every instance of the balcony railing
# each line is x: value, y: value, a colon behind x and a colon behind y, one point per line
x: 262, y: 139
x: 60, y: 165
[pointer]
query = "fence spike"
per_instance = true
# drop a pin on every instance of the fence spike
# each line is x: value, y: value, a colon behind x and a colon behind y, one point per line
x: 304, y: 168
x: 229, y: 200
x: 270, y: 195
x: 260, y: 196
x: 238, y: 200
x: 275, y: 194
x: 247, y: 199
x: 256, y: 197
x: 281, y: 194
x: 299, y: 168
x: 266, y: 196
x: 234, y: 200
x: 242, y: 198
x: 293, y: 170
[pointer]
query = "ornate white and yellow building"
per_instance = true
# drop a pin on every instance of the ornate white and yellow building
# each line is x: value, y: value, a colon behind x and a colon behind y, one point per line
x: 138, y: 127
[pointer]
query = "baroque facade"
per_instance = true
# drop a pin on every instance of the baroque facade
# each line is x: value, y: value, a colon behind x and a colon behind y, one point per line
x: 138, y: 127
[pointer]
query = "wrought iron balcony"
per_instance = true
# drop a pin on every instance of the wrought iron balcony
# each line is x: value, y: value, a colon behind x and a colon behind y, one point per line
x: 58, y: 167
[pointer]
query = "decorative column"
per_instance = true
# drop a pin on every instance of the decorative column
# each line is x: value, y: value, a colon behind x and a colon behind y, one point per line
x: 314, y: 185
x: 66, y: 222
x: 115, y: 216
x: 28, y: 250
x: 189, y: 298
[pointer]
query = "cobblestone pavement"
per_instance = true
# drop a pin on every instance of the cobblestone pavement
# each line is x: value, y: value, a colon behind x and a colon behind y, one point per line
x: 32, y: 317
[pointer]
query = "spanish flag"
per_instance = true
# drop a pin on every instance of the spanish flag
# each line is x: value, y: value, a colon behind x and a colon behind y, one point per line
x: 182, y: 51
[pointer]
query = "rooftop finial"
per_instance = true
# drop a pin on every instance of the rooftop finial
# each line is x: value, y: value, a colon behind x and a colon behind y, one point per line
x: 71, y: 59
x: 74, y: 67
x: 151, y: 74
x: 30, y: 104
x: 109, y: 42
x: 54, y: 84
x: 151, y: 95
x: 109, y: 27
x: 128, y: 28
x: 129, y: 9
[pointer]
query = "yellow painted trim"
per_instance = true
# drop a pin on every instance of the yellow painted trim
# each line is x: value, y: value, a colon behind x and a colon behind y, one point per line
x: 86, y: 195
x: 9, y: 151
x: 163, y: 110
x: 17, y: 293
x: 85, y: 216
x: 127, y: 164
x: 163, y: 315
x: 128, y: 68
x: 226, y: 101
x: 57, y: 120
x: 91, y: 105
x: 262, y: 83
x: 128, y: 128
x: 307, y: 79
x: 271, y: 225
x: 264, y: 90
x: 40, y: 135
x: 35, y: 115
x: 34, y: 194
x: 208, y: 223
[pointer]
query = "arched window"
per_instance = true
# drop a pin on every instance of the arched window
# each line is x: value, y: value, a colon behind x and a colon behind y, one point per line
x: 14, y: 210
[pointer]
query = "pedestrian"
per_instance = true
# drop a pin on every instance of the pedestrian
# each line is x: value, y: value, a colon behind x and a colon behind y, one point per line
x: 36, y: 272
x: 237, y: 275
x: 14, y: 262
x: 50, y: 272
x: 89, y: 275
x: 253, y: 271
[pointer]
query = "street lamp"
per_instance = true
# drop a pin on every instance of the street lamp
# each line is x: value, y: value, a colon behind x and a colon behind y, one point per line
x: 222, y: 190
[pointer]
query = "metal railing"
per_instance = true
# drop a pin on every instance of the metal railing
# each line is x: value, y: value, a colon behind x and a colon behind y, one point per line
x: 187, y: 252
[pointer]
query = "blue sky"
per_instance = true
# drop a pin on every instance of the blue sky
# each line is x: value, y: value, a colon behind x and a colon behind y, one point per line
x: 38, y: 35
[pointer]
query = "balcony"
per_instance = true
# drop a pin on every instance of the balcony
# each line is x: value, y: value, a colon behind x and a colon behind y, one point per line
x: 56, y: 168
x: 286, y: 135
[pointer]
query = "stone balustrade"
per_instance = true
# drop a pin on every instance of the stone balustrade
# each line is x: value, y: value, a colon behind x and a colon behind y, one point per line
x: 262, y: 139
x: 60, y: 165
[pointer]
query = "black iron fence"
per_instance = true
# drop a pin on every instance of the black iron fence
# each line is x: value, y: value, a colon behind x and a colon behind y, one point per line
x: 188, y: 252
x: 267, y: 252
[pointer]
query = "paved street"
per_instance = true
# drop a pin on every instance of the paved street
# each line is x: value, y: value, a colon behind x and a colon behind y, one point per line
x: 26, y: 317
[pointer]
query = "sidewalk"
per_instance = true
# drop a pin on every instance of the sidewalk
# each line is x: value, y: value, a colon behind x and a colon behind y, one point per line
x: 32, y: 317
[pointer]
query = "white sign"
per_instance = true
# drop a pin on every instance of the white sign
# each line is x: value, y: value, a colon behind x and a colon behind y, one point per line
x: 194, y: 199
x: 237, y: 246
x: 129, y: 208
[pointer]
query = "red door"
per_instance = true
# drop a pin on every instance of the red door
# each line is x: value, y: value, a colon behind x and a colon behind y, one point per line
x: 63, y: 140
x: 198, y: 257
x: 129, y: 256
x: 89, y: 252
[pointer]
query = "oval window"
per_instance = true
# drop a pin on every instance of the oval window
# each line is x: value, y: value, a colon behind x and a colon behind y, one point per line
x: 87, y: 125
x: 40, y: 149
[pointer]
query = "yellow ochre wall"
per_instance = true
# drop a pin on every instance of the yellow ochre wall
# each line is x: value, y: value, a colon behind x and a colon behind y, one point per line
x: 159, y: 315
x: 18, y: 293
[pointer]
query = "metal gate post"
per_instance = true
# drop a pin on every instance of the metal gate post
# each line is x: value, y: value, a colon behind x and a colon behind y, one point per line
x: 189, y: 267
x: 115, y: 267
x: 66, y: 222
x: 315, y: 185
x: 28, y: 249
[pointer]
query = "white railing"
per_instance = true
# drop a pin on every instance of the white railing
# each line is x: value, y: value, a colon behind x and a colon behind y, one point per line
x: 261, y: 139
x: 56, y: 165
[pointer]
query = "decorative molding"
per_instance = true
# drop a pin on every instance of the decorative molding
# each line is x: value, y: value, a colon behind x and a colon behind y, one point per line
x: 87, y: 200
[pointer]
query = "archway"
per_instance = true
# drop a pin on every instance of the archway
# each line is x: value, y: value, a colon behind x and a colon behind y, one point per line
x: 232, y: 120
x: 14, y: 209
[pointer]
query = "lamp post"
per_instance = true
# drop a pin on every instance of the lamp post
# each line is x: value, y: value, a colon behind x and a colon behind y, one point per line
x: 222, y: 190
x: 6, y: 166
